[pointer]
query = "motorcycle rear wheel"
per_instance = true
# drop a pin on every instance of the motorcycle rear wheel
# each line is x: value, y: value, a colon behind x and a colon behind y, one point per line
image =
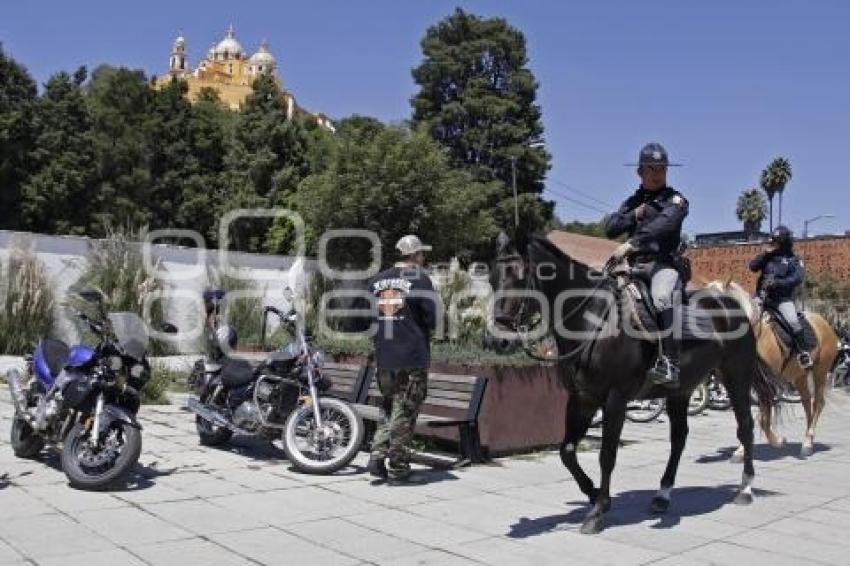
x: 25, y: 442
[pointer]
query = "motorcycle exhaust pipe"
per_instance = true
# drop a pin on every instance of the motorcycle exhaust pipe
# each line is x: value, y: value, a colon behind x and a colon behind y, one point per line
x: 194, y: 404
x: 19, y: 397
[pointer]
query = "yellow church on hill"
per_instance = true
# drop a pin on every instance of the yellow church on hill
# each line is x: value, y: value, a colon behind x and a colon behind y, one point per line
x: 231, y: 72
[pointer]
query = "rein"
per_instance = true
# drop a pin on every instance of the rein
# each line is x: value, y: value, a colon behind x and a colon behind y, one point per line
x: 581, y: 306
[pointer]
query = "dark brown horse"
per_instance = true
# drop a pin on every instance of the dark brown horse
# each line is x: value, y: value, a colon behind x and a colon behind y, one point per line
x: 606, y: 366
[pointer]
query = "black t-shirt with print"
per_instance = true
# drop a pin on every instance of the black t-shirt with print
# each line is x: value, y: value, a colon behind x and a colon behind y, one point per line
x: 406, y: 315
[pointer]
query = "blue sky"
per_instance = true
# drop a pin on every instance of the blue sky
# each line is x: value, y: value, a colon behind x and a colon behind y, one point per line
x: 724, y: 85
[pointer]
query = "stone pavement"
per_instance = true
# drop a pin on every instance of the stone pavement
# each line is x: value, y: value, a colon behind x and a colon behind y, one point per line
x: 193, y: 505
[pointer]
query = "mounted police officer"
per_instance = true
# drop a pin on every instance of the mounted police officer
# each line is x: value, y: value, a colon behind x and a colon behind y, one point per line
x: 780, y: 272
x: 652, y: 218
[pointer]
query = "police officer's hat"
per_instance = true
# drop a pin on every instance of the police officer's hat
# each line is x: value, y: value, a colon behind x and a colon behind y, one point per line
x: 653, y: 154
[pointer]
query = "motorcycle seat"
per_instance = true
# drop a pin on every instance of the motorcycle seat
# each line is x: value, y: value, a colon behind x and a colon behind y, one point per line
x: 236, y: 373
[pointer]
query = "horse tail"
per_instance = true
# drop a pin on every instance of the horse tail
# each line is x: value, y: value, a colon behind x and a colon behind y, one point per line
x: 768, y: 388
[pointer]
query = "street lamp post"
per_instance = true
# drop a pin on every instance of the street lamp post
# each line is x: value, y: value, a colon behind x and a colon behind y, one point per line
x: 812, y: 221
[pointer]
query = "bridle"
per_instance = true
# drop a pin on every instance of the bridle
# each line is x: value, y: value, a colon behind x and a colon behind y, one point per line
x: 516, y: 323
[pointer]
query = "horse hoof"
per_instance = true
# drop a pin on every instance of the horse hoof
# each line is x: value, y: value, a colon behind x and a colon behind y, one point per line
x: 659, y: 505
x: 743, y: 498
x: 807, y: 450
x: 592, y: 525
x: 737, y: 458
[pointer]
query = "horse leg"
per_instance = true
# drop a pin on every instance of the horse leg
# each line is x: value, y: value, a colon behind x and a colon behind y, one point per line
x: 805, y: 386
x: 775, y: 439
x: 817, y: 404
x: 579, y: 416
x: 677, y: 412
x: 739, y: 395
x: 615, y: 415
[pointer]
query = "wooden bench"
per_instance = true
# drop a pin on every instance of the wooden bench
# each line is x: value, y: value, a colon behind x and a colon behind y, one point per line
x: 347, y: 380
x: 452, y: 400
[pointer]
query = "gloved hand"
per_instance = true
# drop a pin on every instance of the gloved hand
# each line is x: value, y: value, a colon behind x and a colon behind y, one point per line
x: 622, y: 251
x: 769, y: 282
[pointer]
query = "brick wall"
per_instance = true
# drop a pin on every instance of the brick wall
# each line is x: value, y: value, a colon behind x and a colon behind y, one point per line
x: 828, y: 254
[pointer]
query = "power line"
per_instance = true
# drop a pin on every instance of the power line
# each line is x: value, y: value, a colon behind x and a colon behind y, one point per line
x: 572, y: 189
x: 575, y: 201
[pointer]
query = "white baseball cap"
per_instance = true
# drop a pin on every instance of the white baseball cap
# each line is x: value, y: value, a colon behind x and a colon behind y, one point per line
x: 410, y: 244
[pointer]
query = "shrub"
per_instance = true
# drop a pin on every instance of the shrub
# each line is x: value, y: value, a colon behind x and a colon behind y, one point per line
x: 155, y: 391
x: 27, y: 300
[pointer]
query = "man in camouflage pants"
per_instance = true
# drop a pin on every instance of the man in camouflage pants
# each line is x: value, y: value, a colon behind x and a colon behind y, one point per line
x: 406, y: 317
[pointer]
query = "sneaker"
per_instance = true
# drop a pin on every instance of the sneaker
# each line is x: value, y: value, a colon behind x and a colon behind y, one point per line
x: 665, y: 373
x: 805, y: 360
x: 377, y: 467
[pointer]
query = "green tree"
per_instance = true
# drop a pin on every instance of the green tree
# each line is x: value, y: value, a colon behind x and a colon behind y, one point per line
x: 120, y: 101
x: 394, y: 181
x: 596, y: 229
x: 773, y: 179
x: 58, y: 196
x: 266, y: 160
x: 209, y: 129
x: 477, y: 98
x: 17, y: 98
x: 751, y: 209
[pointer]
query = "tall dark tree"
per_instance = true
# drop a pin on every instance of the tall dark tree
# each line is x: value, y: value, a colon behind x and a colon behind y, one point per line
x: 267, y: 159
x: 477, y: 98
x: 209, y: 128
x: 17, y: 97
x: 58, y: 196
x: 120, y: 101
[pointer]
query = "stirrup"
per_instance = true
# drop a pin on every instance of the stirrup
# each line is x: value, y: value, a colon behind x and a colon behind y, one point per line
x: 664, y: 372
x: 805, y: 360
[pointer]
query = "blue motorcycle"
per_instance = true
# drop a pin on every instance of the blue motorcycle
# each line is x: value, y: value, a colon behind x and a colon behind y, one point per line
x: 85, y: 399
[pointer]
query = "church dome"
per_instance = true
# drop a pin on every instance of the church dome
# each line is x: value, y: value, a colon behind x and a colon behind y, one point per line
x: 229, y: 46
x: 263, y: 56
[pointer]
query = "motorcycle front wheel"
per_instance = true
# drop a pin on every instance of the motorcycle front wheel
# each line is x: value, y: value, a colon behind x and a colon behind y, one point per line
x: 97, y: 468
x: 323, y: 450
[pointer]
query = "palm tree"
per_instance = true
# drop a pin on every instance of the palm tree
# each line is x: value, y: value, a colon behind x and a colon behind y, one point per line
x: 751, y: 209
x: 773, y: 180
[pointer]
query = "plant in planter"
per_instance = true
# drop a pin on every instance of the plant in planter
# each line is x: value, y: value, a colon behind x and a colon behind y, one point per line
x: 115, y: 266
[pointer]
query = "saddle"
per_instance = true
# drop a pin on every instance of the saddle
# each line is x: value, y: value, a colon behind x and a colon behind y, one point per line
x: 638, y: 311
x: 784, y: 334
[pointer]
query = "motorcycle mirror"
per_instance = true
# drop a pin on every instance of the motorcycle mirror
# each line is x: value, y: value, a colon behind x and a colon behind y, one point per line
x: 91, y: 295
x: 168, y: 328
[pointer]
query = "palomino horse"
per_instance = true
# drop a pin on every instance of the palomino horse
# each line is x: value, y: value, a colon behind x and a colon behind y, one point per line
x: 606, y: 367
x: 811, y: 384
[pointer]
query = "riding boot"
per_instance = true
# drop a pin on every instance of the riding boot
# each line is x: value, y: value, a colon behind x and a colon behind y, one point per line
x: 666, y: 369
x: 804, y: 357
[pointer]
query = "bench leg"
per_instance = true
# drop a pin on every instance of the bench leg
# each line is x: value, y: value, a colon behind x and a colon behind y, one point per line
x: 470, y: 445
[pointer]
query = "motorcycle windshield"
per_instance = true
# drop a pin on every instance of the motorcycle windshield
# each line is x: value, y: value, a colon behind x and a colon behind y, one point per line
x: 131, y: 333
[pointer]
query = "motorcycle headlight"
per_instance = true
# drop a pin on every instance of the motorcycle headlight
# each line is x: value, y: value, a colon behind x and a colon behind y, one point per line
x: 115, y: 363
x: 318, y: 358
x: 137, y: 371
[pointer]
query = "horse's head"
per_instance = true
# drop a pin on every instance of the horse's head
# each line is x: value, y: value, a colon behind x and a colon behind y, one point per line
x: 509, y: 278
